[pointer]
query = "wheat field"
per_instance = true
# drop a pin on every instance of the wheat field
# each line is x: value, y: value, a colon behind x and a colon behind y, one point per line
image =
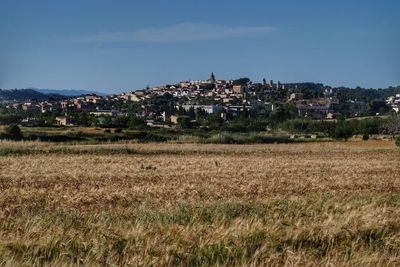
x: 309, y: 204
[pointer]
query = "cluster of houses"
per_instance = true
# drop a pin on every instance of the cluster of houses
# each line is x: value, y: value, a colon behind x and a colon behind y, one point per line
x: 91, y: 104
x: 394, y: 102
x: 223, y: 96
x: 44, y: 106
x: 220, y: 90
x: 229, y: 97
x: 328, y: 107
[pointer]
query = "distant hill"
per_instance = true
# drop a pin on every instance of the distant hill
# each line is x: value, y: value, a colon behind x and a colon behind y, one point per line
x: 69, y: 92
x: 26, y: 94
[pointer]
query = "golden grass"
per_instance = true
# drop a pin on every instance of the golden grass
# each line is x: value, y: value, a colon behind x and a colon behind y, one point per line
x: 332, y: 203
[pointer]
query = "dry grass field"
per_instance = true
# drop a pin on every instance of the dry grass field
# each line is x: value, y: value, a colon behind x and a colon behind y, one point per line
x: 331, y: 203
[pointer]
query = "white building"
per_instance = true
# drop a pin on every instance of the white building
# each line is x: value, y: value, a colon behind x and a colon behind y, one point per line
x: 207, y: 108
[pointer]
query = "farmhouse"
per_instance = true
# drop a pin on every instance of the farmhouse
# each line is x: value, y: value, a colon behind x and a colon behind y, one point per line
x: 175, y: 118
x: 63, y: 121
x: 239, y: 89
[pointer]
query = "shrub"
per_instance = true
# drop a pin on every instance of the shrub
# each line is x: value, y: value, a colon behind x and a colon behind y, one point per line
x: 54, y: 138
x: 13, y: 132
x: 136, y: 122
x: 265, y: 139
x: 398, y: 141
x: 143, y: 136
x: 189, y: 139
x: 10, y: 118
x: 221, y: 138
x: 342, y: 131
x: 251, y: 138
x: 184, y: 122
x: 365, y: 137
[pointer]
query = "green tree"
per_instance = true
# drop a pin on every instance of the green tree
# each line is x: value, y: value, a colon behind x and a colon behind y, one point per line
x: 241, y: 81
x: 14, y: 132
x: 342, y: 130
x: 135, y: 122
x: 10, y: 118
x: 184, y: 122
x: 378, y: 106
x: 214, y: 120
x: 192, y: 113
x: 392, y: 126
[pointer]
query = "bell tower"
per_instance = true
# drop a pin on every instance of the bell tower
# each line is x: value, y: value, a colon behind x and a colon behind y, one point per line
x: 212, y: 78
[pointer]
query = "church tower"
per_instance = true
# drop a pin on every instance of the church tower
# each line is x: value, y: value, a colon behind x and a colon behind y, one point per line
x: 212, y: 78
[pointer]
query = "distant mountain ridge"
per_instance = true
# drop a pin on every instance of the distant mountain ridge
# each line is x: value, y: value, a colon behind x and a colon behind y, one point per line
x: 26, y: 94
x: 69, y: 92
x: 42, y: 94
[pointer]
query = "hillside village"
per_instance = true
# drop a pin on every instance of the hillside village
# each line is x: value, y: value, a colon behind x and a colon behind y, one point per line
x: 165, y: 105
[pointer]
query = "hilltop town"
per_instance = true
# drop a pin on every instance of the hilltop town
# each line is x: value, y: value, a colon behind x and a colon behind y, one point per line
x: 190, y: 101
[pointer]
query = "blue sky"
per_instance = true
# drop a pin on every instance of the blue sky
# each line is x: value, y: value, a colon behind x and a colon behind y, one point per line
x: 120, y: 45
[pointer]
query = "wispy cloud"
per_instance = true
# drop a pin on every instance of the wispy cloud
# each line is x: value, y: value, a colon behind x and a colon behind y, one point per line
x: 184, y: 32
